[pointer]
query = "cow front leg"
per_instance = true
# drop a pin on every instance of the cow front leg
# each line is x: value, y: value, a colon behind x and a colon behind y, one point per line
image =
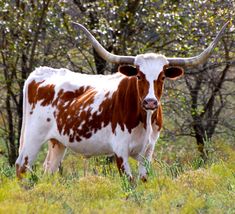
x: 145, y: 157
x: 144, y: 161
x: 123, y: 166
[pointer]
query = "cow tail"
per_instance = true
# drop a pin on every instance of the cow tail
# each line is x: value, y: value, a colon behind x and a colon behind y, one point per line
x: 24, y: 114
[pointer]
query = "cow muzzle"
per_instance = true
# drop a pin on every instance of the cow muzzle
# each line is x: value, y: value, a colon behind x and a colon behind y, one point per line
x: 150, y: 104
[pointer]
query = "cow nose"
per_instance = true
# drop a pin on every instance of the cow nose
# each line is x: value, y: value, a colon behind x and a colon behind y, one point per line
x: 150, y: 104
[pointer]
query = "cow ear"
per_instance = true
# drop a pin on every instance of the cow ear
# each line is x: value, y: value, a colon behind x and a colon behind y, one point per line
x: 128, y: 70
x: 173, y: 72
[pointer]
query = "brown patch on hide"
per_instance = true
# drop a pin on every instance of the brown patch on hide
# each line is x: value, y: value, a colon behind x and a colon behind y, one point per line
x: 158, y: 85
x: 43, y: 94
x: 142, y: 85
x: 73, y: 112
x: 55, y: 142
x: 127, y: 110
x: 20, y: 170
x: 32, y: 92
x: 159, y: 118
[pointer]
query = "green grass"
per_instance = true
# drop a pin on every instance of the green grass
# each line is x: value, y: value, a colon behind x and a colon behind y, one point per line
x: 179, y: 182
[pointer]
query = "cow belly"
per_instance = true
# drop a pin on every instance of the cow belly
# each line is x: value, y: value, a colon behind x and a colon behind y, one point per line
x: 91, y: 147
x: 100, y: 143
x: 105, y: 142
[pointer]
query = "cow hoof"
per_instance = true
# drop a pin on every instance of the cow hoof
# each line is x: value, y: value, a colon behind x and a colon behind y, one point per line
x: 20, y: 171
x: 144, y: 179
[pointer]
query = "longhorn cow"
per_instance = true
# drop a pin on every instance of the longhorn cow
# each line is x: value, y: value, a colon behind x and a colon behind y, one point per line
x: 118, y: 114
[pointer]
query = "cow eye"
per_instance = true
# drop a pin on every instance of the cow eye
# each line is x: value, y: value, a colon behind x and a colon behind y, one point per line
x: 138, y: 77
x: 163, y: 78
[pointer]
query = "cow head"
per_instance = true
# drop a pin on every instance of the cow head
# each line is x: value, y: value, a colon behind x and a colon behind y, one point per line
x: 151, y: 70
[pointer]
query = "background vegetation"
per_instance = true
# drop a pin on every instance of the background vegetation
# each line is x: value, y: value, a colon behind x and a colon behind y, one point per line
x: 199, y: 108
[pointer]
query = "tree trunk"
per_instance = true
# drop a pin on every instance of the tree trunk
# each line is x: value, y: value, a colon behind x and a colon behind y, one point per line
x: 100, y: 64
x: 11, y: 134
x: 200, y: 138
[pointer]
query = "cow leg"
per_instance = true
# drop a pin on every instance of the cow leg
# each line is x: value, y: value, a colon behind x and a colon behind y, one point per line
x: 145, y: 156
x: 123, y: 166
x: 144, y: 161
x: 55, y: 155
x: 85, y: 166
x: 27, y: 155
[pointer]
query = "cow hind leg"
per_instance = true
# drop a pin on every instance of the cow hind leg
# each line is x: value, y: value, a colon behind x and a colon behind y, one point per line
x: 55, y: 155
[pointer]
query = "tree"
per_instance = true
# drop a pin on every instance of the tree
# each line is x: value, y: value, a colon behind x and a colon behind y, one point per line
x: 207, y: 102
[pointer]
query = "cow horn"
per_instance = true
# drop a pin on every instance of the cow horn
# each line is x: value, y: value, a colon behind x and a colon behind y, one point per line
x: 103, y: 53
x: 201, y: 58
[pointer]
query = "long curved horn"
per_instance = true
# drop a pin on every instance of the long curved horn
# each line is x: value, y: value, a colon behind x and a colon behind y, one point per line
x: 201, y: 58
x: 103, y: 53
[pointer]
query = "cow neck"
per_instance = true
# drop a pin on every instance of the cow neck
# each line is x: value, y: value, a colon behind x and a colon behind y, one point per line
x: 127, y: 110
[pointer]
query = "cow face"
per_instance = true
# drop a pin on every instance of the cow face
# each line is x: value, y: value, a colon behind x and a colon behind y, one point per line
x: 151, y: 71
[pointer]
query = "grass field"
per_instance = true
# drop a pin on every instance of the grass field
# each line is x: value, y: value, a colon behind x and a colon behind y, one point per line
x: 179, y: 182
